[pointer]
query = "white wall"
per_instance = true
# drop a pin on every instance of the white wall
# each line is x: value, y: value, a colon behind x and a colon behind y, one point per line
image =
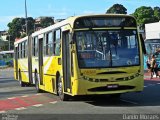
x: 152, y: 30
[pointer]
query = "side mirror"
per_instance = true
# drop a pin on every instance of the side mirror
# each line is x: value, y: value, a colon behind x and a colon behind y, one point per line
x: 143, y: 45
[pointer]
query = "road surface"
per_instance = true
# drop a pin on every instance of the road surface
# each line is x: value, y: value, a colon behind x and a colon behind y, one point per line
x: 23, y: 103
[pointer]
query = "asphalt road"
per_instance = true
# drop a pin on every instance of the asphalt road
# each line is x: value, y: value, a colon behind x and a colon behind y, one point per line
x: 23, y: 103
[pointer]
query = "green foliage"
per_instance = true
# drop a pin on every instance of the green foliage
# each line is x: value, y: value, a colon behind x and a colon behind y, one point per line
x: 47, y: 21
x: 144, y: 15
x: 17, y: 28
x: 117, y: 9
x: 157, y: 12
x: 30, y: 22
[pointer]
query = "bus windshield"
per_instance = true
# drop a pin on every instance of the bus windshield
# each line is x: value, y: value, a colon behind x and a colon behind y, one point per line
x: 107, y: 48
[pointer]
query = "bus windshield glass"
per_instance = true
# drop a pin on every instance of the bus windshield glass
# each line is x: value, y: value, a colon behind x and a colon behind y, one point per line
x: 107, y: 48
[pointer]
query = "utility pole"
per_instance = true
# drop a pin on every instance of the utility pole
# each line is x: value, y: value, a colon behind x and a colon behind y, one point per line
x: 29, y: 52
x: 9, y: 42
x: 26, y: 17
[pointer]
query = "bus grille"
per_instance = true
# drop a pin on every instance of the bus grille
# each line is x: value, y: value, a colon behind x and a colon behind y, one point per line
x: 105, y: 88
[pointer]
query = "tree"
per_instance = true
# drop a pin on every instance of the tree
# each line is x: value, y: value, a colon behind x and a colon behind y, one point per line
x: 47, y: 21
x: 30, y: 22
x: 17, y: 28
x: 157, y: 12
x: 117, y: 9
x: 144, y: 15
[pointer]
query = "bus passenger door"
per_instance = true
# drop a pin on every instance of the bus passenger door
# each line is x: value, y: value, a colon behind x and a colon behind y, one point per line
x: 30, y: 59
x: 16, y: 61
x: 66, y: 58
x: 40, y: 60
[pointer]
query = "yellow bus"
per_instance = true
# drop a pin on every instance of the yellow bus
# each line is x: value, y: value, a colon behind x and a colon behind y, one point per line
x: 83, y: 55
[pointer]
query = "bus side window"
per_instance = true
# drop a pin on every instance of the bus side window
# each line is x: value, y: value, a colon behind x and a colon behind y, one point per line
x: 34, y: 46
x: 26, y: 53
x: 57, y: 42
x: 49, y: 44
x: 19, y: 50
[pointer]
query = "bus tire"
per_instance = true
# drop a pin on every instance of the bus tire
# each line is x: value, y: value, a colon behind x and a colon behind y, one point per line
x: 61, y: 94
x: 22, y: 84
x: 37, y: 83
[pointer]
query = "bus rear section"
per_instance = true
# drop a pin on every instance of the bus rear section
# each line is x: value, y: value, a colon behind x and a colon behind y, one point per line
x: 21, y: 56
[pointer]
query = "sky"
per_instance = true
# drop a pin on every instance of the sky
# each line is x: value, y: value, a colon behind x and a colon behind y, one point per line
x: 61, y: 9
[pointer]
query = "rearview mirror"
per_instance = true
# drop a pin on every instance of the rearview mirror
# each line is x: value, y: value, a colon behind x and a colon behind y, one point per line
x: 142, y: 43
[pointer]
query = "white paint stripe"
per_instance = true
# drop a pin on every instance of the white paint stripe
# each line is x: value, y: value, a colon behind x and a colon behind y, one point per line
x: 158, y: 83
x: 2, y: 111
x: 46, y: 67
x: 145, y: 86
x: 21, y: 108
x: 12, y: 98
x: 129, y: 101
x: 54, y: 102
x: 25, y: 96
x: 37, y: 105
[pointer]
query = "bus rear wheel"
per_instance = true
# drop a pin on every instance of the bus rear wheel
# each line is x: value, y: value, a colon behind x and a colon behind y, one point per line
x: 22, y: 84
x: 61, y: 94
x: 37, y: 83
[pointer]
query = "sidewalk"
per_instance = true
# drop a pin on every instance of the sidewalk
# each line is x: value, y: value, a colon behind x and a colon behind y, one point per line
x: 147, y: 76
x: 5, y: 66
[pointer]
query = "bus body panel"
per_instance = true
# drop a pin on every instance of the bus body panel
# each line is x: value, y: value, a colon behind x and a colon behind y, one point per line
x: 90, y: 80
x: 23, y: 70
x: 83, y: 89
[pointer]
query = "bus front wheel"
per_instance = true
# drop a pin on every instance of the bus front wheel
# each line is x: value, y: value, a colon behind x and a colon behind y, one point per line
x: 61, y: 94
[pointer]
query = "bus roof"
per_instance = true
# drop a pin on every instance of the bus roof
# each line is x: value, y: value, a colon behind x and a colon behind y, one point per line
x: 70, y: 21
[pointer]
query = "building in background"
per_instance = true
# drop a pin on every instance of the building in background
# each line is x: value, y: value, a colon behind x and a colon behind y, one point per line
x: 58, y: 20
x: 3, y: 40
x: 152, y: 30
x: 38, y: 25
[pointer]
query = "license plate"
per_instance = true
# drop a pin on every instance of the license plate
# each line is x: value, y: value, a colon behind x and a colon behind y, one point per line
x: 112, y: 86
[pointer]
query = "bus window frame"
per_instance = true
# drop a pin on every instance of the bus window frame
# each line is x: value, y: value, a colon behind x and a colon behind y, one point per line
x: 57, y: 41
x: 48, y: 46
